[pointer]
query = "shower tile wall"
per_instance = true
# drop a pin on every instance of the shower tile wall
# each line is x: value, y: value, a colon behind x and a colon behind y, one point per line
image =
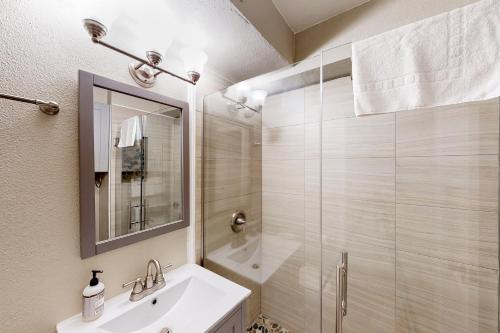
x: 447, y: 219
x: 413, y: 196
x: 232, y: 158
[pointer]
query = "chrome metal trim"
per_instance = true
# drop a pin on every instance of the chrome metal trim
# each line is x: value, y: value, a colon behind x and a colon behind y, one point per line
x: 242, y: 105
x: 98, y: 31
x: 341, y: 292
x: 238, y: 221
x: 50, y: 107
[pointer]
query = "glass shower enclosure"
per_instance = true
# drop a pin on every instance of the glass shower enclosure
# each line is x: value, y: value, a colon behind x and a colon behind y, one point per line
x: 338, y: 223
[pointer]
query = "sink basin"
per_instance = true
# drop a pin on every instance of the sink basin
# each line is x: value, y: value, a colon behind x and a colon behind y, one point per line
x: 194, y: 300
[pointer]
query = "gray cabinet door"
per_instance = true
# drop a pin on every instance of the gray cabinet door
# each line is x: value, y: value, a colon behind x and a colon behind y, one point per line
x: 233, y: 324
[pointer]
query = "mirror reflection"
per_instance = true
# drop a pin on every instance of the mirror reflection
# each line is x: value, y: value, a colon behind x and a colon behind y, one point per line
x: 138, y: 164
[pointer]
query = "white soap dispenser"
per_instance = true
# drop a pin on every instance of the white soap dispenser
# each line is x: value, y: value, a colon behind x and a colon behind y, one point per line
x: 93, y: 298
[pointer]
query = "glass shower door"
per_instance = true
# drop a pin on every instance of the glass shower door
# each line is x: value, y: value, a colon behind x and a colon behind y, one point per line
x: 262, y: 159
x: 412, y: 198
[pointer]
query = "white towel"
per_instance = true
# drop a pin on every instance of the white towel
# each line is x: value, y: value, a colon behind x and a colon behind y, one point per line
x: 129, y: 132
x: 447, y: 59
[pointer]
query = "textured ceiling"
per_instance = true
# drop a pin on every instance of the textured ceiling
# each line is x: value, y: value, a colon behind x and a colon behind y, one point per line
x: 302, y: 14
x: 235, y: 49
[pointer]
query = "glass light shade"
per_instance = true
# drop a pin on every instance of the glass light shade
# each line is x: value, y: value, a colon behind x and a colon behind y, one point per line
x: 242, y: 92
x: 259, y: 97
x: 194, y: 59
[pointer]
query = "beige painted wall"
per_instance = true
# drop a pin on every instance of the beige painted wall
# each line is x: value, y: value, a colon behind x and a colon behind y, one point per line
x: 42, y: 275
x: 370, y: 19
x: 269, y: 22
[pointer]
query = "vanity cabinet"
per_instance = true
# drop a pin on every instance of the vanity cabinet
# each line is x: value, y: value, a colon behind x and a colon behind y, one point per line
x: 232, y: 323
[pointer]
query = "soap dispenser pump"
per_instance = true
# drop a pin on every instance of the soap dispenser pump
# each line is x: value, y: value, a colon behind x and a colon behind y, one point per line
x: 93, y: 298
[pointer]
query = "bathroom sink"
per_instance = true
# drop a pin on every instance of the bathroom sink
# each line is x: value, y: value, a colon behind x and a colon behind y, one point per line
x: 194, y: 300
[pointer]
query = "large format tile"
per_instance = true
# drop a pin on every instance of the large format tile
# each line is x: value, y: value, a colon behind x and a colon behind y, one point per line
x: 368, y: 179
x: 466, y: 182
x: 283, y: 294
x: 283, y: 214
x: 227, y: 139
x: 226, y: 178
x: 435, y: 295
x: 283, y: 176
x: 312, y: 141
x: 372, y: 136
x: 284, y: 109
x: 370, y: 221
x: 465, y: 129
x: 338, y: 99
x: 465, y: 236
x: 281, y: 143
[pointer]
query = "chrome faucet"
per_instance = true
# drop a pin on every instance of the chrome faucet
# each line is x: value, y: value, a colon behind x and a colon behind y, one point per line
x: 151, y: 282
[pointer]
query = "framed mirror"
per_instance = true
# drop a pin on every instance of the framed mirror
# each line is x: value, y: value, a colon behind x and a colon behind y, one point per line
x: 134, y: 164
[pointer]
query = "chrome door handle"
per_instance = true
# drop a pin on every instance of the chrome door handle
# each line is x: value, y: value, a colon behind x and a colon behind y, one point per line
x: 341, y: 309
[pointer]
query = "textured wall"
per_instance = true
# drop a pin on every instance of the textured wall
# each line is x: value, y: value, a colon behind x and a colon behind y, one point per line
x: 43, y: 46
x: 268, y: 20
x: 367, y: 20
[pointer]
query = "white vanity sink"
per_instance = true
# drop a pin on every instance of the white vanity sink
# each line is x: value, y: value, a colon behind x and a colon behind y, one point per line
x: 194, y: 300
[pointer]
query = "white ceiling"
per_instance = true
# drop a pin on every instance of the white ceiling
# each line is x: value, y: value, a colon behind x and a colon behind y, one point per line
x: 235, y: 48
x: 302, y: 14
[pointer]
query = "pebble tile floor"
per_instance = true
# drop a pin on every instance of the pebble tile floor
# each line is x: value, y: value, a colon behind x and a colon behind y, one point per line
x: 265, y: 325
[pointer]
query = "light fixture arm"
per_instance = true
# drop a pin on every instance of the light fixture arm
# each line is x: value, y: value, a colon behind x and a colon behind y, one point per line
x: 141, y: 60
x: 242, y: 105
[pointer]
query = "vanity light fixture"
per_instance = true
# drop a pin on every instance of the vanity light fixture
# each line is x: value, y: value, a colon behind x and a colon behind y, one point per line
x: 145, y: 71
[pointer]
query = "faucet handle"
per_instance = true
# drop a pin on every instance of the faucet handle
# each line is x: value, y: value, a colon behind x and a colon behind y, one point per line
x: 159, y: 279
x: 138, y: 285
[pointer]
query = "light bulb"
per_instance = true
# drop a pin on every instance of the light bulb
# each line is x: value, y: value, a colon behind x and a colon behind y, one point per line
x: 242, y: 92
x: 259, y: 97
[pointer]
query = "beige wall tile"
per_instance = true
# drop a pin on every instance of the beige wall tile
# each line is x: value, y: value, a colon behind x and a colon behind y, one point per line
x: 312, y: 97
x: 284, y: 109
x: 283, y: 295
x: 372, y: 222
x: 338, y: 100
x: 465, y: 129
x: 312, y: 141
x: 285, y: 176
x: 435, y: 295
x: 466, y: 182
x: 283, y: 215
x: 227, y: 177
x: 228, y: 139
x: 281, y: 143
x: 369, y: 179
x: 464, y: 236
x: 372, y: 136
